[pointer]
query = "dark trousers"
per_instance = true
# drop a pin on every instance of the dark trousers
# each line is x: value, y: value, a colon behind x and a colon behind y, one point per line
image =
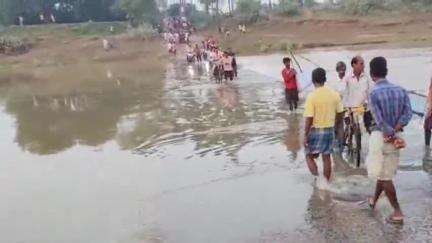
x: 291, y: 96
x: 229, y: 75
x: 428, y: 135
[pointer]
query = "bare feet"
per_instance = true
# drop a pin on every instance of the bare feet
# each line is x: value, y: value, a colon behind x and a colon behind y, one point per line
x: 396, y: 218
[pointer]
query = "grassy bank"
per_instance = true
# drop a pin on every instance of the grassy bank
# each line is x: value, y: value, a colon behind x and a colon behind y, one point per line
x: 330, y: 29
x: 67, y: 47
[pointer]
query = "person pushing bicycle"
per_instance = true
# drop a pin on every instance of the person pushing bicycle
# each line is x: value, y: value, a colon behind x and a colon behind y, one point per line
x: 357, y: 115
x: 357, y: 88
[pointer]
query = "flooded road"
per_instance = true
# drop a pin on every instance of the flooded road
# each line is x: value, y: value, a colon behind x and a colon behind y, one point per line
x: 112, y: 155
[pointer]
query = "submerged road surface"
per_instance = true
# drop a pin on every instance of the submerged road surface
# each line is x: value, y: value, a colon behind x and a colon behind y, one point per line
x: 130, y: 158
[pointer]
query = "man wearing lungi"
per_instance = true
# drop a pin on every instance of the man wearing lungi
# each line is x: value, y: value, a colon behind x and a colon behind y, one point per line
x: 323, y: 109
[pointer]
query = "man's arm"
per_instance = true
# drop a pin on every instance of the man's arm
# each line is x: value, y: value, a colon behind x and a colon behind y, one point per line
x: 308, y: 127
x: 308, y: 114
x: 376, y: 110
x: 297, y: 81
x: 406, y: 113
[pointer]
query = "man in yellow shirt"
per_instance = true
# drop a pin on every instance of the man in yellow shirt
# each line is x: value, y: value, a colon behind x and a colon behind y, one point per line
x: 323, y: 110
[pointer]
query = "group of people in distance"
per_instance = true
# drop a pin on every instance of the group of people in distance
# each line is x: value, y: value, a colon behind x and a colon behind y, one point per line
x: 325, y: 109
x: 221, y: 62
x: 178, y: 31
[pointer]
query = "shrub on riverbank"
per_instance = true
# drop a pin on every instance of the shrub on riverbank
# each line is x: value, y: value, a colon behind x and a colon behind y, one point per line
x: 143, y: 32
x: 288, y: 7
x: 10, y: 45
x: 99, y: 28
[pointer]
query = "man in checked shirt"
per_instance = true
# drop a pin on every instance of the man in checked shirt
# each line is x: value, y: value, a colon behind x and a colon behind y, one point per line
x: 391, y: 108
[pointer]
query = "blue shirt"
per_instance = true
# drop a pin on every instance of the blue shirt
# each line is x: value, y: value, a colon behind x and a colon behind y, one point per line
x: 390, y: 105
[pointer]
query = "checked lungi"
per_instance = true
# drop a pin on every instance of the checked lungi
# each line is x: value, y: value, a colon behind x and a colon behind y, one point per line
x: 320, y: 141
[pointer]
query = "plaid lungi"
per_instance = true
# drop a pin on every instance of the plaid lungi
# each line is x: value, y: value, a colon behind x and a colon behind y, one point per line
x: 320, y: 141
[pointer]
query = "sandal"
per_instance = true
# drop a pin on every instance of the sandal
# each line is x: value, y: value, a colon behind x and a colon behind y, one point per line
x: 395, y: 220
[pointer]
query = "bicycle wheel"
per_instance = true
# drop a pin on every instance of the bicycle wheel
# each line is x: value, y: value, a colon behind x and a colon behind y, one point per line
x: 358, y: 136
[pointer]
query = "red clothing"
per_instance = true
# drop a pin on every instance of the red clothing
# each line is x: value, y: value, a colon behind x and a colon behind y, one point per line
x: 290, y: 78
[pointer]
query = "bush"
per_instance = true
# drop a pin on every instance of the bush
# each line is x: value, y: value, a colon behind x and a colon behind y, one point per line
x: 289, y: 7
x: 143, y: 31
x: 362, y: 7
x: 13, y: 45
x: 249, y: 10
x: 99, y: 28
x: 200, y: 19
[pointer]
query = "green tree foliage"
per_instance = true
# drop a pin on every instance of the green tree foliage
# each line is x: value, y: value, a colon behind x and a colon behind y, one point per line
x: 207, y: 4
x: 362, y: 7
x: 249, y: 10
x: 63, y: 10
x: 141, y: 11
x: 288, y: 7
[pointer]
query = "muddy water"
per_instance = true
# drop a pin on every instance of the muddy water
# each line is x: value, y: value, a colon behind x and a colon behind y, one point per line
x: 125, y: 157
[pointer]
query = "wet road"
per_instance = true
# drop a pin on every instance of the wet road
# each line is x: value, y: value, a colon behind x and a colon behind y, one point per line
x: 124, y: 157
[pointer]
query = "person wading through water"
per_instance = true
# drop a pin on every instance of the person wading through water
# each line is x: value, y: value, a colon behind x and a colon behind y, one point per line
x: 391, y: 108
x: 289, y: 75
x: 323, y: 109
x: 428, y: 117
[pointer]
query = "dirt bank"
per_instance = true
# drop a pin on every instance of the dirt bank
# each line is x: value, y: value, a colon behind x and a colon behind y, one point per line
x: 59, y: 53
x: 325, y: 29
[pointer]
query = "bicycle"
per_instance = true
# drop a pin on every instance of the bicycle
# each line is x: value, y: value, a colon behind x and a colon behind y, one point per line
x: 353, y: 133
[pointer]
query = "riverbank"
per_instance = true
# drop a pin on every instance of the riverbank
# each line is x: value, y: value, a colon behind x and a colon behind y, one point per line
x: 329, y: 29
x: 60, y: 51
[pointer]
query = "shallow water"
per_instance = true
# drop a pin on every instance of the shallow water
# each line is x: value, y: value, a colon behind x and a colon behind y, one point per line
x: 125, y: 157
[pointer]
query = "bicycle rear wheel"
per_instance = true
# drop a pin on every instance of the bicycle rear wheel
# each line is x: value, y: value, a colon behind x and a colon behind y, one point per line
x: 358, y: 146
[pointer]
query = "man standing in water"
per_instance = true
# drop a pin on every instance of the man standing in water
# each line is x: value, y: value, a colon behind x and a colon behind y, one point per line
x: 340, y: 87
x: 341, y: 71
x: 289, y: 75
x: 391, y: 108
x: 227, y: 62
x: 357, y: 88
x: 323, y: 109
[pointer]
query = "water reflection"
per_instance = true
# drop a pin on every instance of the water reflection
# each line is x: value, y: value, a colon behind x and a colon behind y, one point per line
x: 166, y: 140
x: 293, y: 134
x: 141, y: 112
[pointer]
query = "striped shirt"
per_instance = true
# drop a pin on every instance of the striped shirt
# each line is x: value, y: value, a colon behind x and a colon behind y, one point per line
x: 390, y: 105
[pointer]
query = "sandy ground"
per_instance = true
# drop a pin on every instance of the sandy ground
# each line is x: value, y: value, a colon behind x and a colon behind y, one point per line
x: 60, y: 54
x: 324, y: 29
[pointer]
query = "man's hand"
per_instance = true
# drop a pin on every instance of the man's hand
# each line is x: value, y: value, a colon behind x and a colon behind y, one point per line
x: 305, y: 141
x: 398, y: 128
x: 389, y: 139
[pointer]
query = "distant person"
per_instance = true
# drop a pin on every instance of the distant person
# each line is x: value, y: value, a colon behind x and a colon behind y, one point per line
x: 244, y: 29
x: 289, y: 75
x: 21, y: 20
x: 428, y: 117
x: 227, y: 61
x: 341, y: 71
x: 234, y: 61
x: 198, y: 53
x: 340, y: 88
x: 391, y: 108
x: 323, y: 110
x: 107, y: 44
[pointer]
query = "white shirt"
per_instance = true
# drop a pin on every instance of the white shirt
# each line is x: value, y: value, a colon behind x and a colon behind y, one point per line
x: 356, y: 90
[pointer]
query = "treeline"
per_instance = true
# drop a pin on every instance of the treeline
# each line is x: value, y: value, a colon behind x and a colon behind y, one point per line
x: 64, y: 11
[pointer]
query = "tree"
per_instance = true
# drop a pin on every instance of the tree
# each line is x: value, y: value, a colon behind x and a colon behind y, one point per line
x: 249, y: 7
x: 140, y: 11
x: 207, y: 4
